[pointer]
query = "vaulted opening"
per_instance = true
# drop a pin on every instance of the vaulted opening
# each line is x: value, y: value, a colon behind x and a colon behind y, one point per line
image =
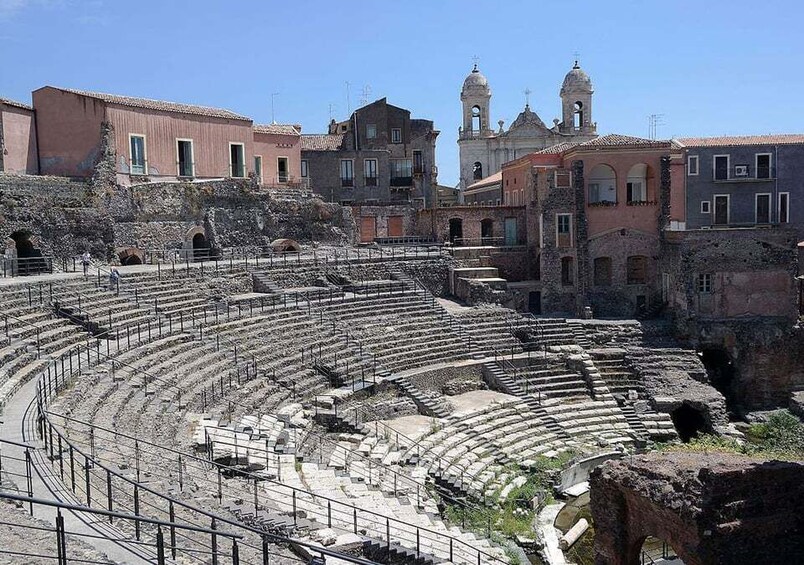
x: 721, y: 372
x: 29, y: 258
x: 477, y: 170
x: 688, y: 422
x: 656, y: 550
x: 201, y: 249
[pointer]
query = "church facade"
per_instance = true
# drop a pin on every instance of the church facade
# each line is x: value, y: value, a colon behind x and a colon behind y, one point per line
x: 483, y: 150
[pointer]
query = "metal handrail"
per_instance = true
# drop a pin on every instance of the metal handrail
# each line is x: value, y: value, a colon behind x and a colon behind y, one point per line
x: 401, y: 525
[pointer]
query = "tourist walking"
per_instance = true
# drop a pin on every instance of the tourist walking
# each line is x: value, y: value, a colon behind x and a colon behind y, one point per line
x: 86, y: 258
x: 114, y: 279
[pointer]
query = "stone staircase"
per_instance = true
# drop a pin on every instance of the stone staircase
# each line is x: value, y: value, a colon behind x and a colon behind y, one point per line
x: 427, y: 405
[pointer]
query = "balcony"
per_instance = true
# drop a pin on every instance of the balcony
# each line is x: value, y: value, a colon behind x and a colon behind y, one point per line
x: 347, y: 183
x: 371, y: 181
x: 401, y: 182
x: 745, y: 173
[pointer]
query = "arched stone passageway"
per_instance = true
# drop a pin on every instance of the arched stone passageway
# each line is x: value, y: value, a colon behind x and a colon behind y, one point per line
x: 688, y: 421
x: 721, y: 371
x: 285, y: 246
x: 201, y: 249
x: 656, y: 550
x: 130, y: 256
x: 28, y: 257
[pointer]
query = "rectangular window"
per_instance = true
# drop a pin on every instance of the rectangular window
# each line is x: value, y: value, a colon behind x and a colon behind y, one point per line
x: 258, y: 167
x: 567, y: 274
x: 762, y: 209
x: 304, y: 171
x: 282, y: 169
x: 418, y: 162
x: 784, y: 207
x: 184, y: 157
x: 401, y: 172
x: 347, y: 173
x: 594, y: 192
x: 635, y: 191
x: 371, y: 131
x: 705, y: 207
x: 705, y: 283
x: 562, y: 178
x: 563, y: 230
x: 692, y: 165
x: 636, y: 269
x: 763, y: 165
x: 721, y: 167
x: 370, y: 172
x: 721, y: 210
x: 138, y: 155
x: 396, y: 135
x: 237, y: 162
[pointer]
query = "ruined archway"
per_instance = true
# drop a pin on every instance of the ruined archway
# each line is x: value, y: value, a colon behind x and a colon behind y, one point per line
x: 688, y: 421
x: 130, y: 256
x: 721, y: 372
x: 285, y: 246
x: 657, y: 550
x: 28, y: 257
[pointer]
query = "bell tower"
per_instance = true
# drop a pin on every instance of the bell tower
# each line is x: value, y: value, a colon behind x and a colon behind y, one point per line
x: 576, y: 103
x: 475, y: 128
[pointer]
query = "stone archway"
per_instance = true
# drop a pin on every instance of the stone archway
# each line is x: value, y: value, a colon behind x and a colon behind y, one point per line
x: 197, y: 245
x: 130, y: 256
x: 721, y: 372
x: 688, y: 422
x: 27, y: 258
x: 714, y: 508
x: 285, y: 246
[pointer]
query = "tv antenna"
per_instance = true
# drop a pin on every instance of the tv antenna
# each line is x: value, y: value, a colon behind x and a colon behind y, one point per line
x: 348, y: 98
x: 273, y: 94
x: 365, y: 94
x: 654, y: 121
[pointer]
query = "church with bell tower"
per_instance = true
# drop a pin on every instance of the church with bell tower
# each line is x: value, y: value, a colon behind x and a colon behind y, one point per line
x: 484, y: 148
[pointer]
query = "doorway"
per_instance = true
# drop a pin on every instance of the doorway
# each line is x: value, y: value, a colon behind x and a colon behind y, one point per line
x: 455, y: 231
x: 201, y: 251
x: 688, y: 422
x: 487, y: 231
x: 535, y: 302
x: 721, y: 210
x: 510, y: 232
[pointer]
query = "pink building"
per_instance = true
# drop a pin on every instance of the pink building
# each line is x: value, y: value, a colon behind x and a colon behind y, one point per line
x: 18, y: 154
x: 277, y: 154
x: 151, y: 139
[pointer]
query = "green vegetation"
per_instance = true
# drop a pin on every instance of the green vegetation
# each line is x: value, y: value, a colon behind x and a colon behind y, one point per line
x: 514, y: 515
x: 582, y: 551
x: 781, y: 437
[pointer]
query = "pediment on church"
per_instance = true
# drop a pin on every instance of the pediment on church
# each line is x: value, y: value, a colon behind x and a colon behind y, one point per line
x: 528, y: 130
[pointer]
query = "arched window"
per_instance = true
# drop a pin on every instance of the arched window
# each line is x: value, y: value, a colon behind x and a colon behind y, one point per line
x: 637, y: 183
x: 602, y: 266
x: 476, y: 124
x: 477, y: 170
x: 602, y: 185
x: 487, y: 231
x: 577, y: 115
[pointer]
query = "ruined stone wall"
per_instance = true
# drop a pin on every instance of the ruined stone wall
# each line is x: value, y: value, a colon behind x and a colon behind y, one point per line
x: 68, y: 217
x: 710, y: 508
x: 619, y: 298
x: 768, y: 358
x: 471, y: 216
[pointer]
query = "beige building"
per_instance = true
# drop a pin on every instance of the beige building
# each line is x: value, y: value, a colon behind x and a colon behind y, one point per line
x: 483, y: 149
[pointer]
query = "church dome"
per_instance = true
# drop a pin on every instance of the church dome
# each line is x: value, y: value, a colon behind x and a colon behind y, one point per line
x: 475, y: 80
x: 576, y: 80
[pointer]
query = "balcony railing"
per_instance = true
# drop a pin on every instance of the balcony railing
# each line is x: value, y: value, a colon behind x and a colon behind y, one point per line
x: 401, y: 182
x: 347, y: 183
x: 744, y: 173
x: 371, y: 181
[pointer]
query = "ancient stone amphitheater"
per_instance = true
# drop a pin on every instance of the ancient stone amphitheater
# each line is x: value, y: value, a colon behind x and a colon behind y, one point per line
x: 314, y: 405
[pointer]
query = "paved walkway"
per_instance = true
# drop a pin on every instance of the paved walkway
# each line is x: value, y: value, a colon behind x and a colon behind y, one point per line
x: 18, y: 425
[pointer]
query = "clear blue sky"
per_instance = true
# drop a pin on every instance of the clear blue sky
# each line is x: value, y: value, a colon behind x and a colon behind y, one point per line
x: 710, y: 68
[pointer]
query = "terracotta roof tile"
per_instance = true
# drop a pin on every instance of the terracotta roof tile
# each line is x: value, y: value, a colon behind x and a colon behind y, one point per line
x: 619, y: 140
x: 727, y: 140
x: 160, y: 105
x: 490, y: 180
x: 278, y: 129
x: 15, y: 104
x: 557, y: 148
x: 322, y: 142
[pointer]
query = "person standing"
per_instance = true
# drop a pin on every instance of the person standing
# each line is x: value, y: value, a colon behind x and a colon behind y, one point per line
x: 86, y: 259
